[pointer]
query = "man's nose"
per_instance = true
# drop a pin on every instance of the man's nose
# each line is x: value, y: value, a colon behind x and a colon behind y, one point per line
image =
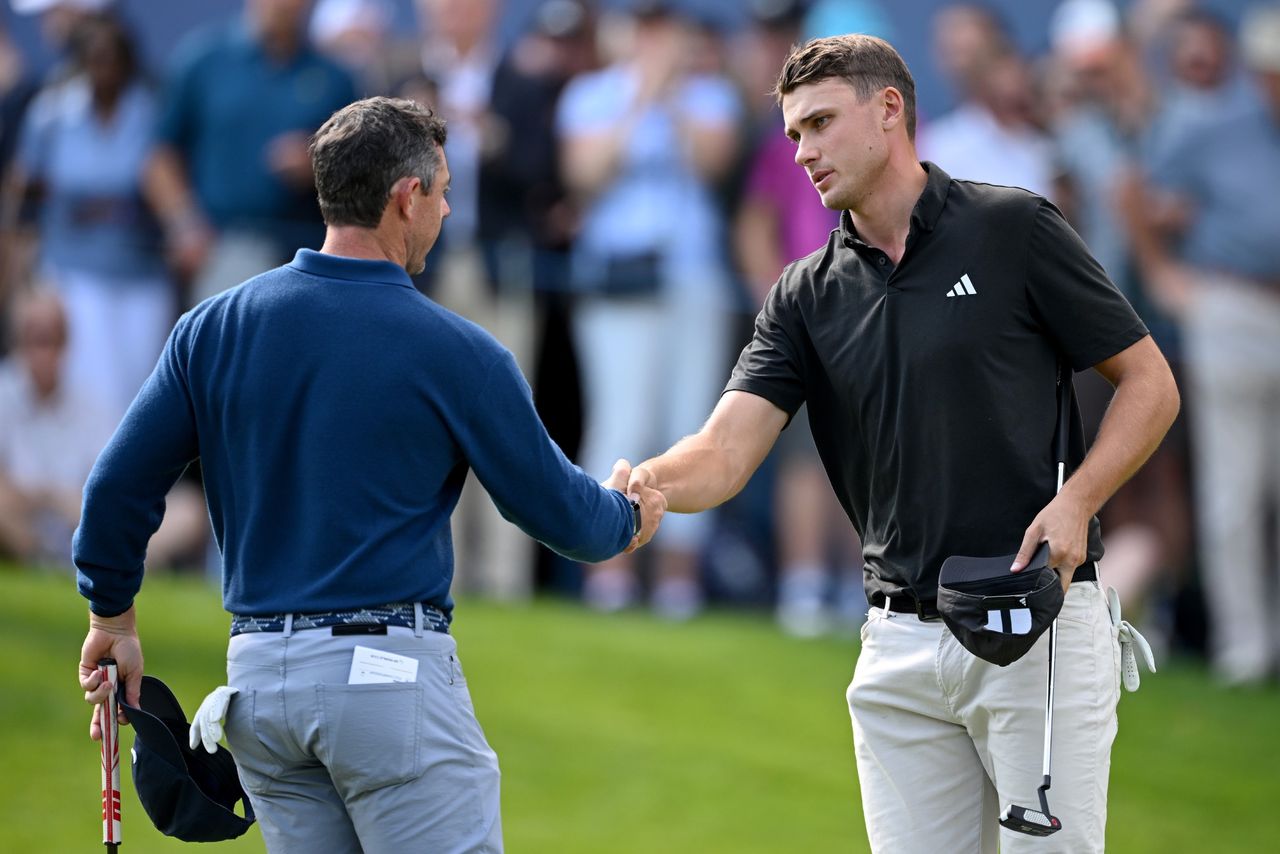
x: 805, y: 153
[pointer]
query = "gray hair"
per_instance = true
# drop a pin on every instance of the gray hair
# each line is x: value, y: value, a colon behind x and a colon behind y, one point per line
x: 365, y: 148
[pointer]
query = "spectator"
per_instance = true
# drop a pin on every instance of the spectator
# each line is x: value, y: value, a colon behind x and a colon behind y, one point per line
x: 50, y: 434
x: 84, y: 143
x: 231, y: 176
x: 643, y: 144
x: 964, y: 35
x: 781, y: 219
x: 1204, y: 85
x: 59, y: 20
x: 16, y: 88
x: 357, y: 34
x: 526, y: 218
x: 1222, y: 278
x: 1103, y: 133
x: 479, y: 276
x: 995, y: 135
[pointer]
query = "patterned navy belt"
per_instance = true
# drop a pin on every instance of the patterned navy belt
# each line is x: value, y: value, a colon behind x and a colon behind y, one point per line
x: 395, y: 614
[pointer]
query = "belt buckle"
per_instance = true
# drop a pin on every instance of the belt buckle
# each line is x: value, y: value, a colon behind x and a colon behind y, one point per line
x: 923, y: 615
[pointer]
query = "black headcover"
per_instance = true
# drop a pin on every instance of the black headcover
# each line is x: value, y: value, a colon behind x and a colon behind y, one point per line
x: 996, y: 614
x: 188, y: 794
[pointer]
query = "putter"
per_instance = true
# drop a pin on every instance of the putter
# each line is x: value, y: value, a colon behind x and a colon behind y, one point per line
x: 1039, y: 822
x: 1042, y: 822
x: 108, y: 712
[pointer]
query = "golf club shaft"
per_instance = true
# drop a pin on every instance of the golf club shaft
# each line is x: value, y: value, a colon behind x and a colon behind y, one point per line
x: 1061, y: 445
x: 1048, y: 706
x: 108, y: 713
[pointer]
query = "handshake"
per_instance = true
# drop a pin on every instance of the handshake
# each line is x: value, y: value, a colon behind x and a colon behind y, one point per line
x: 638, y: 485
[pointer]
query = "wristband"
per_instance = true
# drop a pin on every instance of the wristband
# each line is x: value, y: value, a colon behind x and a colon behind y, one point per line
x: 635, y: 513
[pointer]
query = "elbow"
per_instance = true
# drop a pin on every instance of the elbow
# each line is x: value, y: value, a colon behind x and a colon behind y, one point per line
x: 1173, y: 403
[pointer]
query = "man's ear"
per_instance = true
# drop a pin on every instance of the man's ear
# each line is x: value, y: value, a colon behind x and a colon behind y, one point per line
x: 404, y: 193
x: 893, y: 108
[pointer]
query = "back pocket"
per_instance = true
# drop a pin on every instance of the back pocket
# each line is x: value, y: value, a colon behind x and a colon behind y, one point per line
x: 370, y: 735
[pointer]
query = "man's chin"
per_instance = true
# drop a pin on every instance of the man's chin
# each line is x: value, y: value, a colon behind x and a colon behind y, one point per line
x: 831, y: 201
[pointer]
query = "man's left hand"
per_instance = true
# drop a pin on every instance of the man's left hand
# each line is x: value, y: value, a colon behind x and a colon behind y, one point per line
x: 1064, y: 525
x: 111, y: 637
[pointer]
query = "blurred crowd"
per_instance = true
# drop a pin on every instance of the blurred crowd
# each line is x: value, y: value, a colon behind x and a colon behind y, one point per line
x: 623, y: 198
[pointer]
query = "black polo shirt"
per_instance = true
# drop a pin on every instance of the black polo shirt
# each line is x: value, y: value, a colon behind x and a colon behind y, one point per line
x: 931, y: 385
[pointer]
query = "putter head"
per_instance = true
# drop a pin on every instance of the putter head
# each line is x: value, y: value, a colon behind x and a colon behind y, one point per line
x: 1029, y: 821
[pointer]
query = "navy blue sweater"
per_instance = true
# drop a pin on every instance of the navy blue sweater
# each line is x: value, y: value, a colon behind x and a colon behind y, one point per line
x: 335, y: 412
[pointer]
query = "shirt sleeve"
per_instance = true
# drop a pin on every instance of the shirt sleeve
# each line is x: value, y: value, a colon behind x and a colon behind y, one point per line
x: 1174, y: 158
x: 772, y: 364
x: 1085, y: 315
x: 124, y: 496
x: 34, y: 137
x: 581, y: 110
x: 709, y: 100
x: 175, y: 124
x: 529, y: 478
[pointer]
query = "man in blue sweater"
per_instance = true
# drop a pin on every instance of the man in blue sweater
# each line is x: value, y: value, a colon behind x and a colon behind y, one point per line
x: 335, y: 412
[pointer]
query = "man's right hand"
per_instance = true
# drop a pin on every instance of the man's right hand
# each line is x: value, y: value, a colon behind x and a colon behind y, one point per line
x: 653, y: 504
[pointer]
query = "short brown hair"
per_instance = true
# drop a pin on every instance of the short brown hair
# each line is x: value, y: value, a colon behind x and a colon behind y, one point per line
x: 364, y: 148
x: 866, y: 63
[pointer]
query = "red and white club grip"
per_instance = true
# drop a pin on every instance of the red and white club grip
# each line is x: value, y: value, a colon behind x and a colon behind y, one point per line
x: 108, y: 713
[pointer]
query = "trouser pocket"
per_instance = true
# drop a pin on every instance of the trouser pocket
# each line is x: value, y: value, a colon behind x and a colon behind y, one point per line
x: 250, y: 737
x: 370, y: 735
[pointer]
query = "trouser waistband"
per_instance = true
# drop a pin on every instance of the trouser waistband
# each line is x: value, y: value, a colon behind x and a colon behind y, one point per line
x: 412, y: 615
x: 927, y: 609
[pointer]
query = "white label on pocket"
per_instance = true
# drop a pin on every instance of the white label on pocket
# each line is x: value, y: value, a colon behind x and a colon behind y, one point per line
x: 370, y: 666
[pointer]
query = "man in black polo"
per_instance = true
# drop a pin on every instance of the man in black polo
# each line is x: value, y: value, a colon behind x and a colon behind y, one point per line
x: 925, y: 338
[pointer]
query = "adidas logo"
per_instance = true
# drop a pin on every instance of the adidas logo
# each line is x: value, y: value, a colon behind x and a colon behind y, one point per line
x: 964, y: 287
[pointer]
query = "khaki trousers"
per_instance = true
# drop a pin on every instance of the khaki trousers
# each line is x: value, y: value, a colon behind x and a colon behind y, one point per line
x: 944, y: 740
x: 1232, y: 339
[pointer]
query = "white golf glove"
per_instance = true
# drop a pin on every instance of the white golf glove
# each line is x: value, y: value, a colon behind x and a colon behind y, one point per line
x: 206, y: 726
x: 1129, y: 637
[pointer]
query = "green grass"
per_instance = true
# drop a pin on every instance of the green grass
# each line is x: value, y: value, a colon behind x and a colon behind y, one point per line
x: 625, y: 734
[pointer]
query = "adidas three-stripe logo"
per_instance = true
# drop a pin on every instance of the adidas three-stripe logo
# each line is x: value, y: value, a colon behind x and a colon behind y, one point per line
x: 964, y: 287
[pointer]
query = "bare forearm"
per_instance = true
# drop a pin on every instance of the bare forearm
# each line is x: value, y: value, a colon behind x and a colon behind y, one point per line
x: 590, y: 162
x: 710, y: 467
x: 1138, y: 418
x: 710, y: 148
x: 166, y: 190
x: 755, y: 238
x: 696, y: 475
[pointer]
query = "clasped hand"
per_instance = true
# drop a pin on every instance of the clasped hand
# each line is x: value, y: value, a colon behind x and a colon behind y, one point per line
x: 652, y: 502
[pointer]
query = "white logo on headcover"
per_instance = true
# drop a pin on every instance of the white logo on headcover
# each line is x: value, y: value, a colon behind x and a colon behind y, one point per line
x: 1019, y: 621
x: 964, y: 287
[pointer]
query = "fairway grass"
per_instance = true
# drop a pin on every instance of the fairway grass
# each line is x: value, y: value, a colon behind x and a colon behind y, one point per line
x: 627, y: 734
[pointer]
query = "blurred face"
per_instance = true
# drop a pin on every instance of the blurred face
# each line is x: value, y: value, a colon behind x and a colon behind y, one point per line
x: 41, y: 344
x: 430, y: 209
x: 279, y: 16
x: 104, y: 63
x: 1095, y: 73
x: 962, y: 37
x: 1200, y: 55
x: 1006, y: 86
x: 460, y: 21
x: 840, y: 141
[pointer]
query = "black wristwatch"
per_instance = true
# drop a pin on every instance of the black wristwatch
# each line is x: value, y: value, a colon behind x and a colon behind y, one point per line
x: 635, y: 513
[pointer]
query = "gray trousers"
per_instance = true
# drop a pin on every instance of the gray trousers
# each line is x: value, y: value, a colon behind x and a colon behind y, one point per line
x: 391, y: 767
x: 1232, y: 335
